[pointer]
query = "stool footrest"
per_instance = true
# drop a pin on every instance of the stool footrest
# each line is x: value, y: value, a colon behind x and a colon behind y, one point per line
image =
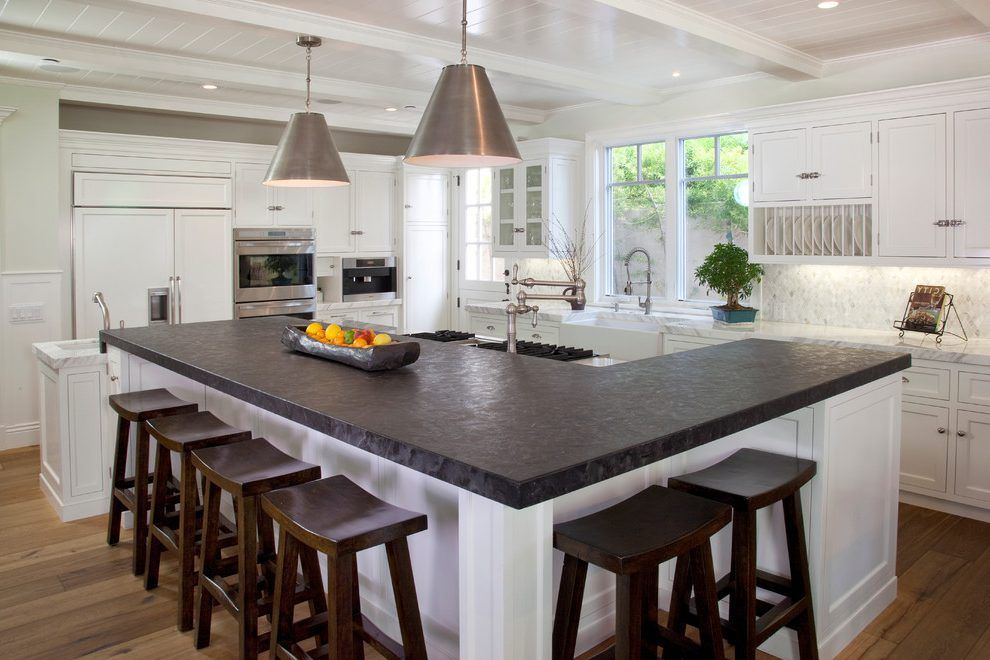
x: 777, y: 617
x: 778, y: 584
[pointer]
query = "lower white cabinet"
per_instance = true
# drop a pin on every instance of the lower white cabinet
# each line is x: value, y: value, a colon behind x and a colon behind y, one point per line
x: 494, y: 327
x: 924, y: 446
x: 386, y: 316
x: 973, y: 455
x: 678, y: 344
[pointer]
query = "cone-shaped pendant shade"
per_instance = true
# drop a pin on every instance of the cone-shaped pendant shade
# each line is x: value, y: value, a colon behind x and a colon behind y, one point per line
x: 463, y: 125
x: 306, y: 155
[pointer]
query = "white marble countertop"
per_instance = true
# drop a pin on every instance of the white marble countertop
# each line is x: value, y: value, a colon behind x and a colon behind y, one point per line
x: 69, y: 353
x: 690, y: 324
x: 360, y: 304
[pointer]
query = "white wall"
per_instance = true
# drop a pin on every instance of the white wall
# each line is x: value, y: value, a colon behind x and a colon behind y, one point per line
x: 29, y: 239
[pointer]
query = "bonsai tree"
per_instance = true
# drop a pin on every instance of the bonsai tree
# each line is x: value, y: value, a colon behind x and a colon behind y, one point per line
x: 727, y: 272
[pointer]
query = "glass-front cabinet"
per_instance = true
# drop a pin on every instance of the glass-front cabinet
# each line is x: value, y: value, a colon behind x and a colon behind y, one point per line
x: 522, y: 207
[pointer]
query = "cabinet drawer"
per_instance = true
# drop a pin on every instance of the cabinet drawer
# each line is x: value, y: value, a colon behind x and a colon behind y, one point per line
x: 679, y: 344
x: 974, y: 388
x: 927, y: 382
x: 541, y: 334
x: 488, y: 326
x: 387, y: 317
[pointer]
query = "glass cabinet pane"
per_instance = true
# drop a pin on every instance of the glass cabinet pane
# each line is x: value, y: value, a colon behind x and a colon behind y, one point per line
x: 506, y: 206
x: 534, y: 176
x: 534, y: 205
x: 534, y: 233
x: 506, y: 234
x: 506, y: 179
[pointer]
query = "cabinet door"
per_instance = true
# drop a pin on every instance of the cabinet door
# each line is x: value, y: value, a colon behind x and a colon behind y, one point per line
x: 203, y: 266
x: 673, y: 344
x: 842, y: 161
x: 252, y: 198
x: 426, y: 198
x: 912, y: 187
x: 505, y: 208
x: 779, y: 159
x: 924, y: 446
x: 973, y: 455
x: 386, y: 316
x: 294, y: 206
x: 374, y: 202
x: 534, y: 196
x: 123, y: 253
x: 425, y: 295
x: 971, y: 199
x: 333, y: 215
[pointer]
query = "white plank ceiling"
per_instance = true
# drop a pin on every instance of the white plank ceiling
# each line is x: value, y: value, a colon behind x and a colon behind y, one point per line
x: 543, y: 55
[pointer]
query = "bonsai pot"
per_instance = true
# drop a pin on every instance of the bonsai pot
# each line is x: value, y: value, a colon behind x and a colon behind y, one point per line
x: 744, y: 315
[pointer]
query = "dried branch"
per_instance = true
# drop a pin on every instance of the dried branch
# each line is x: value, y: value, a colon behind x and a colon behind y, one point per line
x: 575, y: 253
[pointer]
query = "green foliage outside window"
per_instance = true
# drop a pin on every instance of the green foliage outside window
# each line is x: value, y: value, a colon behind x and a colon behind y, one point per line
x: 712, y: 203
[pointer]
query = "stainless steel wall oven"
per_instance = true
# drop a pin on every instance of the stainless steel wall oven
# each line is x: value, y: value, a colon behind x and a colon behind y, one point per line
x: 274, y: 272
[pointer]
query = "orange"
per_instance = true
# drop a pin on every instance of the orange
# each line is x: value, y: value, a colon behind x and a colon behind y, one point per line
x: 360, y: 343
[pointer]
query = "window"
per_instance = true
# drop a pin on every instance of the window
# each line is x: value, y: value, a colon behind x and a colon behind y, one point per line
x: 636, y: 197
x: 714, y: 198
x: 478, y: 262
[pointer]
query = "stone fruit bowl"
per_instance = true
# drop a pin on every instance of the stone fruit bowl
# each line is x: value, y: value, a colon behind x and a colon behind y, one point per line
x: 373, y: 358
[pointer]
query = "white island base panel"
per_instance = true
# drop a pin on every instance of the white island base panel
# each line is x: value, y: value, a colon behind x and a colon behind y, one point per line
x: 487, y: 574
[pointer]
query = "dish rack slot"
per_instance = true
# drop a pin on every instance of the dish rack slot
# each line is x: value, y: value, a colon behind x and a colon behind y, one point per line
x: 834, y: 230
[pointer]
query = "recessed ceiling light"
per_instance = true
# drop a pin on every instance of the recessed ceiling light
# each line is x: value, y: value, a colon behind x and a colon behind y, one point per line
x: 676, y: 74
x: 391, y: 108
x: 828, y: 4
x: 210, y: 86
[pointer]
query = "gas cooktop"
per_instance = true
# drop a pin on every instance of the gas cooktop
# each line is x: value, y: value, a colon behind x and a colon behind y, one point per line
x: 444, y: 335
x: 530, y: 348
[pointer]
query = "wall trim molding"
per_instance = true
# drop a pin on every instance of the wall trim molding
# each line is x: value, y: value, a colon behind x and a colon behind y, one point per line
x: 16, y: 273
x: 25, y: 434
x: 6, y: 111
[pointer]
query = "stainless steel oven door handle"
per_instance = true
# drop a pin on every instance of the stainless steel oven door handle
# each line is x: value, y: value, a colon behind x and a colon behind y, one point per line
x: 178, y: 296
x: 263, y: 248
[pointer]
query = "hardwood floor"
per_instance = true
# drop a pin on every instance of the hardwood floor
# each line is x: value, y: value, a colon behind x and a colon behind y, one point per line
x: 65, y: 594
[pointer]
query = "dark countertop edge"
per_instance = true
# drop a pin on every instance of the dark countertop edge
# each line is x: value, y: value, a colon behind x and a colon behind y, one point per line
x: 518, y: 495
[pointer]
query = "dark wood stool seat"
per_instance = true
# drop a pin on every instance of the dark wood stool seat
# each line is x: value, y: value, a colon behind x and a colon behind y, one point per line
x: 631, y: 539
x: 179, y: 531
x: 131, y: 493
x: 247, y: 469
x: 750, y: 480
x: 337, y: 517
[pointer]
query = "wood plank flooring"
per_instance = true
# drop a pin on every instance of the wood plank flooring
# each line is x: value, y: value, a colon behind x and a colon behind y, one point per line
x: 65, y: 594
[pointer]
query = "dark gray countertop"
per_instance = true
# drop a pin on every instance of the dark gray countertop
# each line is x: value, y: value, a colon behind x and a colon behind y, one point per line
x: 518, y: 430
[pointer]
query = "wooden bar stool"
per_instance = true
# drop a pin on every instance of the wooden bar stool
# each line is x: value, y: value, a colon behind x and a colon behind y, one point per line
x: 131, y: 493
x: 748, y: 481
x: 246, y: 470
x: 631, y: 539
x: 338, y: 518
x: 182, y: 434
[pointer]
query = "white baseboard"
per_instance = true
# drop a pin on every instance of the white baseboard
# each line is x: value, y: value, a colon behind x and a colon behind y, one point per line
x: 27, y: 434
x: 98, y: 506
x: 945, y: 506
x: 846, y: 632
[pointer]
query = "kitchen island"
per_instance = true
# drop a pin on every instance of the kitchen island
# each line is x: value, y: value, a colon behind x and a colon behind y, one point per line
x: 495, y: 448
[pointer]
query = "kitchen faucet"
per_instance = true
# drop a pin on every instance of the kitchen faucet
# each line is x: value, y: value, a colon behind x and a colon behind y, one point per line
x: 99, y: 300
x: 647, y: 304
x: 512, y: 310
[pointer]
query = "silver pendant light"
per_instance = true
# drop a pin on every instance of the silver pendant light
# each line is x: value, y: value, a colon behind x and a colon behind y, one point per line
x: 306, y: 155
x: 463, y: 125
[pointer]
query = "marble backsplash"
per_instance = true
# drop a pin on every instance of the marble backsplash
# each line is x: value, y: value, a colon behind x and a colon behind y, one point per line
x: 869, y: 297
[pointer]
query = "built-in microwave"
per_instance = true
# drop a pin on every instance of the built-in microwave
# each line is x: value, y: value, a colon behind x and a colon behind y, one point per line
x: 354, y: 279
x: 274, y: 265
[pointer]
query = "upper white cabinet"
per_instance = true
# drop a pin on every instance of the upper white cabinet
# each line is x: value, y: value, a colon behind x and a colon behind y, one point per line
x: 333, y: 216
x: 427, y: 197
x: 816, y: 163
x: 971, y: 194
x: 127, y: 190
x: 912, y: 191
x: 356, y: 218
x: 258, y: 205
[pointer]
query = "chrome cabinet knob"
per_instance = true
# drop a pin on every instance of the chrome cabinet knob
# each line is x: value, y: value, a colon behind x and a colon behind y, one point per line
x: 905, y: 379
x: 537, y: 335
x: 279, y: 208
x: 961, y: 434
x: 408, y: 277
x: 941, y: 429
x: 114, y: 379
x: 490, y: 327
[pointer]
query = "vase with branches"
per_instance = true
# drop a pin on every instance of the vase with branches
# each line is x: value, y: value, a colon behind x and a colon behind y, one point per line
x: 571, y: 248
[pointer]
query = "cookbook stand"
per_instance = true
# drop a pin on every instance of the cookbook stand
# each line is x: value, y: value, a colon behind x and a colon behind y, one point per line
x: 906, y: 325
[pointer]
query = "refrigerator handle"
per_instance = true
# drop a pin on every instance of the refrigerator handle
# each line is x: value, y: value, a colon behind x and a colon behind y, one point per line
x: 171, y: 299
x: 178, y: 297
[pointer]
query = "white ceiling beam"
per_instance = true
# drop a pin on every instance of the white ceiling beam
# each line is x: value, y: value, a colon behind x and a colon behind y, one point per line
x: 773, y: 57
x: 116, y: 59
x: 261, y: 14
x: 979, y: 9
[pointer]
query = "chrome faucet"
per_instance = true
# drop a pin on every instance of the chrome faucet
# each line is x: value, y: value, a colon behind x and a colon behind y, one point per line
x: 521, y: 306
x: 647, y: 304
x: 99, y: 300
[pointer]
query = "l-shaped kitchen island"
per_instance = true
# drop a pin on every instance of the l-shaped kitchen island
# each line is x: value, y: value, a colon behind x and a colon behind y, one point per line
x: 495, y: 448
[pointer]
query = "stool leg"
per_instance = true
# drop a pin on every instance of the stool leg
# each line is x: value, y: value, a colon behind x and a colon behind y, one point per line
x: 117, y: 480
x: 404, y: 589
x: 187, y: 541
x: 247, y: 577
x: 628, y: 616
x: 797, y: 555
x: 680, y: 602
x: 159, y: 491
x: 340, y: 610
x: 285, y: 586
x: 568, y: 615
x: 742, y: 604
x: 706, y: 599
x: 651, y: 588
x: 209, y: 556
x: 141, y: 498
x: 314, y: 584
x: 266, y: 554
x: 356, y: 611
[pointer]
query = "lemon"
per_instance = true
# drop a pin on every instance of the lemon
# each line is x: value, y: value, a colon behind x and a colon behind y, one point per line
x: 381, y: 339
x: 333, y: 330
x: 360, y: 343
x: 313, y: 328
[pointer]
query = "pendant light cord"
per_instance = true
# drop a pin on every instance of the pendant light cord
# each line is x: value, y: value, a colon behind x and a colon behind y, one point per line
x: 309, y: 52
x: 464, y: 33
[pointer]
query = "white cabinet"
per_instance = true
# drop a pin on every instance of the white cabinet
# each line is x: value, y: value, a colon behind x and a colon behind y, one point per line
x: 427, y: 196
x: 924, y: 446
x: 386, y: 316
x: 973, y: 455
x: 258, y: 205
x: 912, y: 190
x: 971, y: 194
x: 425, y: 287
x: 126, y: 252
x: 816, y: 163
x: 927, y: 382
x: 150, y: 191
x: 493, y: 327
x: 678, y: 344
x: 356, y: 218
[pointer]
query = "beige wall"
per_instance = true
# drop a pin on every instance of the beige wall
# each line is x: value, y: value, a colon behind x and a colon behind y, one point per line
x: 112, y: 119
